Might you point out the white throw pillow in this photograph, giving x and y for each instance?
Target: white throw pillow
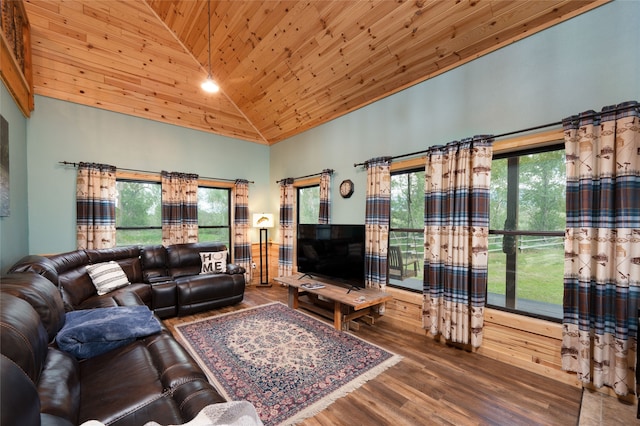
(213, 262)
(107, 276)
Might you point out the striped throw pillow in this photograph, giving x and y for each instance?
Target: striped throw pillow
(107, 276)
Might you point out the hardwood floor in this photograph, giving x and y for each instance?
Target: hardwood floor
(435, 384)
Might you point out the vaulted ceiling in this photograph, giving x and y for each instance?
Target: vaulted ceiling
(283, 66)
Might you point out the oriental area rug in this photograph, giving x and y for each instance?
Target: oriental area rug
(289, 365)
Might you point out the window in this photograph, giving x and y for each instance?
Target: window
(138, 213)
(527, 213)
(406, 230)
(308, 204)
(214, 206)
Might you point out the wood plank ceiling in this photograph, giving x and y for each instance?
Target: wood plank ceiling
(283, 66)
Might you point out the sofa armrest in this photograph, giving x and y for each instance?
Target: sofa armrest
(232, 269)
(39, 265)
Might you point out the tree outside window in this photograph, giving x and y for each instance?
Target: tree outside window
(308, 204)
(406, 233)
(527, 221)
(213, 215)
(138, 213)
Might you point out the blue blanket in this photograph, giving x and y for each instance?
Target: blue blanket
(92, 332)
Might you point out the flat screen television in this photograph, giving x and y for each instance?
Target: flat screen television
(335, 252)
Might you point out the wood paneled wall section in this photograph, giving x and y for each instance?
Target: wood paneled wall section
(528, 343)
(273, 262)
(15, 54)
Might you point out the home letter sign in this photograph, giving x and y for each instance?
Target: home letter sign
(213, 262)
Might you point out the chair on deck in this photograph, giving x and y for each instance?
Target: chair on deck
(399, 266)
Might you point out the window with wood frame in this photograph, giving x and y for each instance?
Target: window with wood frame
(138, 212)
(139, 209)
(214, 207)
(526, 253)
(526, 236)
(308, 204)
(406, 229)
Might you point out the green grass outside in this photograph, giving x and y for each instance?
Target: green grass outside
(154, 236)
(540, 271)
(539, 276)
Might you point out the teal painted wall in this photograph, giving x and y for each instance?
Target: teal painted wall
(64, 131)
(14, 229)
(585, 63)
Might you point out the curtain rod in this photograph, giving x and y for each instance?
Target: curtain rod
(424, 151)
(543, 126)
(68, 163)
(306, 176)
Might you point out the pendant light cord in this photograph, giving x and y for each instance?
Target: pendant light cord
(209, 36)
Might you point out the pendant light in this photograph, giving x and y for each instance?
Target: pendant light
(209, 85)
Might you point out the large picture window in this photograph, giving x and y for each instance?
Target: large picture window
(526, 252)
(139, 213)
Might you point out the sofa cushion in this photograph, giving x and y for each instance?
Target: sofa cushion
(68, 261)
(163, 384)
(107, 276)
(131, 295)
(39, 265)
(114, 253)
(23, 338)
(127, 257)
(213, 262)
(199, 293)
(18, 396)
(59, 386)
(184, 259)
(154, 263)
(76, 286)
(42, 295)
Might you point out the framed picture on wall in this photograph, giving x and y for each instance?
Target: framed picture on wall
(4, 167)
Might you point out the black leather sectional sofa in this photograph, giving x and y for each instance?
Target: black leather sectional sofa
(167, 279)
(150, 379)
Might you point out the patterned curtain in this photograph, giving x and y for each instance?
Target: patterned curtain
(378, 210)
(241, 225)
(179, 208)
(96, 206)
(456, 232)
(602, 246)
(325, 202)
(287, 228)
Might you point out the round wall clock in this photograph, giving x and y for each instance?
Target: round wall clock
(346, 188)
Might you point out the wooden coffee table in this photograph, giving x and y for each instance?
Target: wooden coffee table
(347, 305)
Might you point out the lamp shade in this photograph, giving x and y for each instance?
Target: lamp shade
(263, 220)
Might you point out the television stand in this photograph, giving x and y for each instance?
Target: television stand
(346, 306)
